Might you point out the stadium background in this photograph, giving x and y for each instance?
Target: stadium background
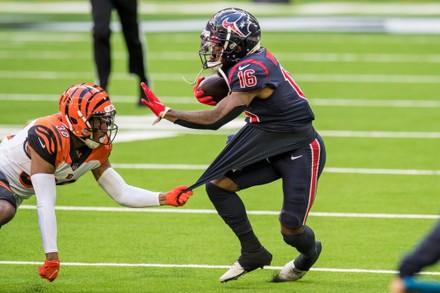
(371, 72)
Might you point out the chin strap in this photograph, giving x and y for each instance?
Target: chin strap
(222, 73)
(219, 71)
(254, 49)
(197, 77)
(90, 143)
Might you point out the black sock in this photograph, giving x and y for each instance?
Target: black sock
(249, 242)
(303, 242)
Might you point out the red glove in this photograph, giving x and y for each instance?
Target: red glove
(154, 103)
(49, 270)
(200, 95)
(177, 197)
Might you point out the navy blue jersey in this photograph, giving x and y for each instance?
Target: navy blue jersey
(287, 109)
(427, 253)
(275, 125)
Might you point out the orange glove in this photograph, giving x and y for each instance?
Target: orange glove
(49, 270)
(177, 197)
(201, 96)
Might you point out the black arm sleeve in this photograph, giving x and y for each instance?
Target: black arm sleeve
(216, 125)
(426, 253)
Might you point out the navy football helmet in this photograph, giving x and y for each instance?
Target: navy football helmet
(234, 33)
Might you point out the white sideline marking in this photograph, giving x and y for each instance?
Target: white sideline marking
(300, 77)
(204, 211)
(378, 134)
(134, 128)
(191, 100)
(179, 56)
(328, 170)
(79, 7)
(382, 171)
(203, 266)
(10, 37)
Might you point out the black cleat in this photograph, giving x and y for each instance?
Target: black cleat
(247, 262)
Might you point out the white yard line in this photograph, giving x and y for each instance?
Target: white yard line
(185, 56)
(300, 77)
(157, 7)
(260, 213)
(372, 171)
(10, 39)
(135, 128)
(330, 102)
(409, 18)
(277, 23)
(205, 266)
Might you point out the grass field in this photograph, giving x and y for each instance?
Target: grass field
(376, 100)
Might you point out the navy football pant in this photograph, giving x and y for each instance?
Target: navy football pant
(299, 171)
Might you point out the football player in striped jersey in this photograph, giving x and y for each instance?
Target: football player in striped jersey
(60, 148)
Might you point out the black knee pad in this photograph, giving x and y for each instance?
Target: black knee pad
(304, 242)
(291, 219)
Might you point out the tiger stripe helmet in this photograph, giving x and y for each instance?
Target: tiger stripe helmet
(79, 104)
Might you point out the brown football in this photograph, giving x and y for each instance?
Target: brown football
(214, 86)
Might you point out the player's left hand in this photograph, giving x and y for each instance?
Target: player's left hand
(201, 96)
(49, 270)
(177, 197)
(398, 286)
(159, 109)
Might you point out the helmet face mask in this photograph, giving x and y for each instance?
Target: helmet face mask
(88, 113)
(211, 53)
(103, 127)
(235, 31)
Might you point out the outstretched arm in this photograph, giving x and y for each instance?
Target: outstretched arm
(130, 196)
(225, 111)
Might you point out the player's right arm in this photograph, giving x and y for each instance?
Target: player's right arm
(130, 196)
(225, 111)
(43, 181)
(44, 144)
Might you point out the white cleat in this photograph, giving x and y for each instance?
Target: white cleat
(289, 273)
(233, 273)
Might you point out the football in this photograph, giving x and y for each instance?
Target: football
(214, 86)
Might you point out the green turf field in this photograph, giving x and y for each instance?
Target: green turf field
(376, 100)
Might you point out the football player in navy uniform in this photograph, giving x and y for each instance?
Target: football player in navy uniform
(278, 141)
(60, 148)
(426, 253)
